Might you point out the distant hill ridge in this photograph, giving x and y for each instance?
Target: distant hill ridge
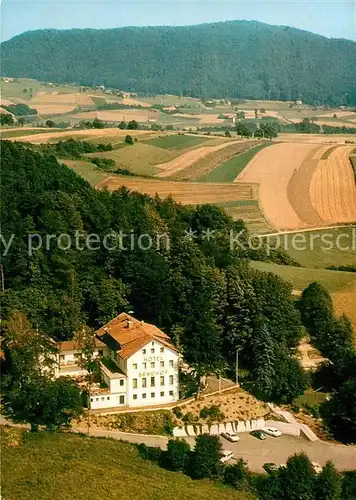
(235, 59)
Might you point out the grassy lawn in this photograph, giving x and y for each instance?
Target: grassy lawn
(301, 277)
(230, 169)
(316, 252)
(311, 398)
(140, 158)
(58, 466)
(179, 142)
(90, 172)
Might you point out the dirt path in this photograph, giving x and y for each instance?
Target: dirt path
(333, 189)
(273, 168)
(186, 159)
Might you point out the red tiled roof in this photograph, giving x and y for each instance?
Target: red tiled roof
(133, 335)
(71, 345)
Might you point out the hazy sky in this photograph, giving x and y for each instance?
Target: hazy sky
(336, 18)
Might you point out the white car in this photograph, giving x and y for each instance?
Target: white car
(272, 431)
(231, 436)
(317, 468)
(226, 455)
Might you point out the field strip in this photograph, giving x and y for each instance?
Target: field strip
(82, 134)
(332, 188)
(187, 193)
(186, 159)
(309, 229)
(298, 189)
(272, 168)
(205, 167)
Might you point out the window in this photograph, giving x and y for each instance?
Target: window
(144, 382)
(134, 383)
(144, 396)
(108, 398)
(162, 349)
(91, 399)
(170, 379)
(152, 365)
(62, 357)
(171, 362)
(162, 394)
(134, 366)
(96, 399)
(103, 399)
(162, 380)
(153, 343)
(135, 396)
(152, 351)
(122, 400)
(153, 395)
(100, 352)
(122, 381)
(171, 393)
(143, 351)
(152, 381)
(162, 364)
(144, 366)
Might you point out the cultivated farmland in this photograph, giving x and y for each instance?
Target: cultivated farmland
(186, 193)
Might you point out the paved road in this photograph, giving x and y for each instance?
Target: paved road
(254, 451)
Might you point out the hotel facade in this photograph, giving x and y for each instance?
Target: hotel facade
(138, 365)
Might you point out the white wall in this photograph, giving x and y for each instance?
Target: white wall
(107, 400)
(149, 366)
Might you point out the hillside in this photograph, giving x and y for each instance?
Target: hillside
(73, 462)
(241, 59)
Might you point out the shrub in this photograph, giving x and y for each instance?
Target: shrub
(212, 413)
(177, 412)
(129, 139)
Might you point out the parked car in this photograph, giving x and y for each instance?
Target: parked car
(258, 434)
(272, 431)
(231, 436)
(317, 468)
(270, 467)
(226, 455)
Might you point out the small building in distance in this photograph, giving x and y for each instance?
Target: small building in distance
(138, 365)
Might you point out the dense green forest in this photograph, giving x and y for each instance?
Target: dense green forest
(242, 59)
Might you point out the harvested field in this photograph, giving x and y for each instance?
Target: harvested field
(183, 192)
(273, 168)
(335, 123)
(130, 101)
(208, 118)
(170, 169)
(54, 103)
(317, 138)
(332, 188)
(298, 189)
(95, 134)
(119, 115)
(347, 115)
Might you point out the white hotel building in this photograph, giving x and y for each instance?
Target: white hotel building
(138, 365)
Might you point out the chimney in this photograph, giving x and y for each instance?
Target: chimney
(142, 323)
(129, 323)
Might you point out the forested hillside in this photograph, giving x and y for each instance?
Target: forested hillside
(236, 59)
(199, 291)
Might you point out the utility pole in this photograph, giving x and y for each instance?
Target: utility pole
(237, 366)
(2, 278)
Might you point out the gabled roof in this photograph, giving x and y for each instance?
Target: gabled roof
(71, 345)
(132, 334)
